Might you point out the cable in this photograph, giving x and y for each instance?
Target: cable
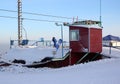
(7, 10)
(8, 17)
(42, 20)
(31, 19)
(38, 14)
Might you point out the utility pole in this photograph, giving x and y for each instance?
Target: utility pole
(19, 22)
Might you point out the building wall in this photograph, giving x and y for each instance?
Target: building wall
(95, 40)
(82, 44)
(90, 40)
(114, 43)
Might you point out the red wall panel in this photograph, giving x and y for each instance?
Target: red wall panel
(95, 40)
(79, 46)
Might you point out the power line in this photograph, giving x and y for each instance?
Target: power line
(43, 20)
(8, 17)
(31, 19)
(7, 10)
(47, 15)
(38, 14)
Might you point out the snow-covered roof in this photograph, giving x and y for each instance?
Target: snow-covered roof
(111, 38)
(85, 23)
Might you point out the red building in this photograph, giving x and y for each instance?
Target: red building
(85, 38)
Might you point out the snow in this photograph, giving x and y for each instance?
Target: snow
(106, 71)
(115, 53)
(32, 54)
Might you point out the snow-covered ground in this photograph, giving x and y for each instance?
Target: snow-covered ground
(31, 54)
(106, 71)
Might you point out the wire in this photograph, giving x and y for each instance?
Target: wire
(31, 19)
(7, 10)
(38, 14)
(8, 17)
(47, 15)
(43, 20)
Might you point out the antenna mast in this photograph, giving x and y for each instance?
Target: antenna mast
(100, 15)
(19, 22)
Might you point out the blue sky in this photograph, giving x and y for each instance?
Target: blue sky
(84, 9)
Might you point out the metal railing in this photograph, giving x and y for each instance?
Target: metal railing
(82, 58)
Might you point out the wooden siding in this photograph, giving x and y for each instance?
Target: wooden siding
(79, 46)
(95, 40)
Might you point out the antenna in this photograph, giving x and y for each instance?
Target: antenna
(100, 15)
(19, 21)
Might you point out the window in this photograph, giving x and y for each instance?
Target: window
(74, 35)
